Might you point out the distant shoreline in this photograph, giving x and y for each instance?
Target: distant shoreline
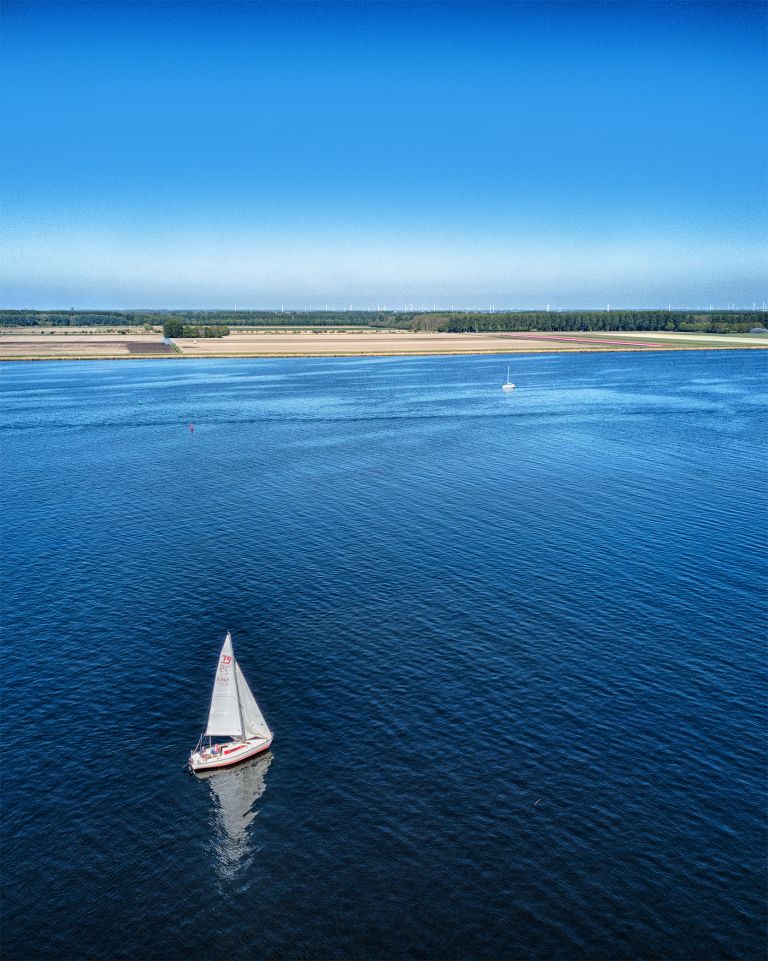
(54, 344)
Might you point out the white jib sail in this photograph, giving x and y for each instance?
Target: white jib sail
(253, 719)
(224, 717)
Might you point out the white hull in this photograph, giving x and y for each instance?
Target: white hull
(233, 753)
(507, 386)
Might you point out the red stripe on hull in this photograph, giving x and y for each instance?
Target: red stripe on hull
(233, 760)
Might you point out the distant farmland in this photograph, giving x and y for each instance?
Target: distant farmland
(39, 344)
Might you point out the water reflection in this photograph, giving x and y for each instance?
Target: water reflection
(235, 794)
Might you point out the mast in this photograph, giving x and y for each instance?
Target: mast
(239, 703)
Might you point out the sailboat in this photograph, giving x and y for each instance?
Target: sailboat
(234, 715)
(508, 385)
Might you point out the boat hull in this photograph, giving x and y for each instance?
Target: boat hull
(230, 755)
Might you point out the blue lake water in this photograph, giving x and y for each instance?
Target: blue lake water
(512, 647)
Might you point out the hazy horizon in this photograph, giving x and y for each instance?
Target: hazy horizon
(385, 308)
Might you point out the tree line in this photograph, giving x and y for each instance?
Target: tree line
(175, 328)
(716, 322)
(216, 323)
(240, 318)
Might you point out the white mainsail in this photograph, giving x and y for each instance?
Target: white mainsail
(234, 711)
(253, 719)
(224, 718)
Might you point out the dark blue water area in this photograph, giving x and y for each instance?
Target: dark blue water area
(511, 646)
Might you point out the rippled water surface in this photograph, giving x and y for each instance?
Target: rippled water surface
(511, 647)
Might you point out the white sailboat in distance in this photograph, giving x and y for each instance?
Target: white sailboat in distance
(508, 385)
(234, 715)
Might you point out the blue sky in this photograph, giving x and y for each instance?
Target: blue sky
(213, 155)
